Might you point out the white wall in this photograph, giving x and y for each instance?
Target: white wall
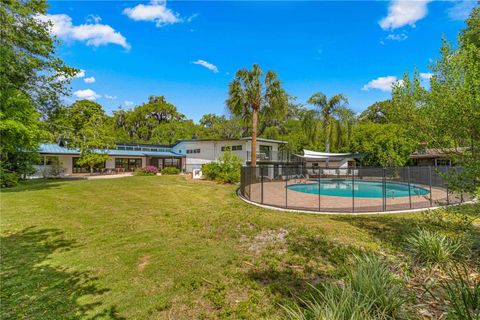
(212, 150)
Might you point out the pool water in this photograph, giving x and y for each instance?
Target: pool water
(363, 189)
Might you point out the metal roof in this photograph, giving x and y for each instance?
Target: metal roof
(51, 148)
(226, 140)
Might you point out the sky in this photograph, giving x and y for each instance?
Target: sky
(189, 51)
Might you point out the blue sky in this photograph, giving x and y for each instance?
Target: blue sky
(189, 51)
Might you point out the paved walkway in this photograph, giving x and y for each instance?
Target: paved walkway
(109, 176)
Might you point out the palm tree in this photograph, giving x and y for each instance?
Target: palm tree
(327, 108)
(345, 122)
(248, 95)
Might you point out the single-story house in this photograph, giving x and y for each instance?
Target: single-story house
(183, 154)
(436, 157)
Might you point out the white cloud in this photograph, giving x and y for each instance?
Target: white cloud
(382, 83)
(461, 9)
(128, 103)
(110, 97)
(89, 80)
(93, 18)
(404, 12)
(207, 65)
(80, 74)
(87, 94)
(426, 75)
(93, 34)
(155, 11)
(397, 36)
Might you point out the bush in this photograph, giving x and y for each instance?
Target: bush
(170, 170)
(8, 179)
(331, 302)
(226, 170)
(370, 292)
(432, 247)
(371, 278)
(462, 292)
(54, 170)
(146, 171)
(211, 170)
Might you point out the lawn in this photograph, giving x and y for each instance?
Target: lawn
(170, 248)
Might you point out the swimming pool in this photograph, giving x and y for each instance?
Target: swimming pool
(362, 189)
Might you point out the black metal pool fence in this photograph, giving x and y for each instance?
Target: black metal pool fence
(320, 189)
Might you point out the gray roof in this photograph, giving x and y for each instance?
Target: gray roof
(51, 148)
(266, 140)
(219, 139)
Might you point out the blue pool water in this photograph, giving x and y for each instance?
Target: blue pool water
(363, 189)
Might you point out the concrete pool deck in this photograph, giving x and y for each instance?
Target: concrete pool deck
(276, 195)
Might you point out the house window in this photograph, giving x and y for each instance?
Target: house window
(232, 148)
(172, 162)
(443, 162)
(76, 168)
(51, 160)
(265, 149)
(128, 164)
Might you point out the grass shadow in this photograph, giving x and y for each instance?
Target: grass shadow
(33, 289)
(392, 230)
(309, 259)
(34, 185)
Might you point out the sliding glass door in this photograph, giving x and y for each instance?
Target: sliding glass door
(128, 164)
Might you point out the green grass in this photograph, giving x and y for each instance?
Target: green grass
(169, 248)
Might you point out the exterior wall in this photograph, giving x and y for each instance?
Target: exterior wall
(271, 144)
(65, 161)
(209, 151)
(334, 164)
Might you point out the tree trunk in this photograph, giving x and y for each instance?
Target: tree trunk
(91, 169)
(254, 137)
(327, 135)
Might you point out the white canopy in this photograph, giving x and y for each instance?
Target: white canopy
(309, 154)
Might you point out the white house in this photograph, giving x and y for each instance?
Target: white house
(183, 154)
(198, 152)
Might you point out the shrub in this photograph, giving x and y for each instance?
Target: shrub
(146, 171)
(432, 247)
(462, 293)
(371, 278)
(54, 170)
(211, 170)
(331, 302)
(226, 170)
(8, 179)
(370, 292)
(170, 170)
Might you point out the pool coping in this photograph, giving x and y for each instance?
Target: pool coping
(349, 213)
